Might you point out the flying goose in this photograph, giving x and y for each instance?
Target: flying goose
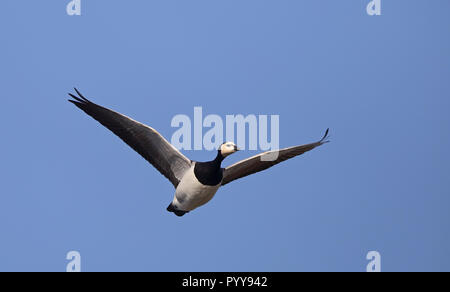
(195, 182)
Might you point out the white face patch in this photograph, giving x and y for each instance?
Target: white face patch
(228, 148)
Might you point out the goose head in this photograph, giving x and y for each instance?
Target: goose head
(227, 148)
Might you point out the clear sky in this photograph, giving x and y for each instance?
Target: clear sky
(380, 83)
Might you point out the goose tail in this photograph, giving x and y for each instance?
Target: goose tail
(171, 208)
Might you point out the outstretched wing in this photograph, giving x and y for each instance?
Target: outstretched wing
(143, 139)
(265, 160)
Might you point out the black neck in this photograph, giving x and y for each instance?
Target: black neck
(219, 158)
(210, 173)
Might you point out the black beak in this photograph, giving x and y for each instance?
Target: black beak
(236, 148)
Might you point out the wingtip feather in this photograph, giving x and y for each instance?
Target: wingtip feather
(77, 99)
(326, 136)
(80, 95)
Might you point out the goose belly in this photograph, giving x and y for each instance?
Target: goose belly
(191, 194)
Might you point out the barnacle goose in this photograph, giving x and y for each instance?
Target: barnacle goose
(195, 182)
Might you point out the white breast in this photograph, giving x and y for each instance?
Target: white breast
(191, 194)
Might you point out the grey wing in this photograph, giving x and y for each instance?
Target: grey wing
(143, 139)
(264, 160)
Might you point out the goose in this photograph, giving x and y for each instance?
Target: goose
(195, 182)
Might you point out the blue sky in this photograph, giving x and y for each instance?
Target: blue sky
(380, 83)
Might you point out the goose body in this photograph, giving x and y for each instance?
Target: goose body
(195, 182)
(191, 193)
